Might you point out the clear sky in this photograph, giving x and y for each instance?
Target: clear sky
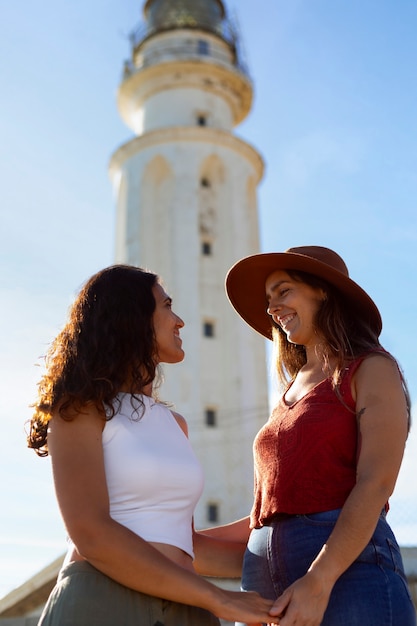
(334, 117)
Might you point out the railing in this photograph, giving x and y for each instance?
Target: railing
(183, 51)
(224, 29)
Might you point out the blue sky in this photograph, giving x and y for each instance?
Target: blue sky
(334, 117)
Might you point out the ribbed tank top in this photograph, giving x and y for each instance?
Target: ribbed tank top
(153, 477)
(305, 455)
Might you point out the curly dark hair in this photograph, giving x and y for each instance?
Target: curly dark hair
(107, 343)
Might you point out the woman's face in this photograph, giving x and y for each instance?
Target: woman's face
(293, 306)
(167, 328)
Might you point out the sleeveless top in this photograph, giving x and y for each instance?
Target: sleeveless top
(153, 478)
(305, 455)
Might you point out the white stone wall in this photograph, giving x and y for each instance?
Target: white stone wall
(183, 107)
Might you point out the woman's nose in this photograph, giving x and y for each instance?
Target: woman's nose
(273, 306)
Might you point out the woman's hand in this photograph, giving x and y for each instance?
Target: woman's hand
(303, 603)
(247, 607)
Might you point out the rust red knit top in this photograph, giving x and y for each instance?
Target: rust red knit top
(305, 455)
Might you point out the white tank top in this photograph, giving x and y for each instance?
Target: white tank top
(153, 477)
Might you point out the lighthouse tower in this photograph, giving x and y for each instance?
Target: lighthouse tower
(186, 190)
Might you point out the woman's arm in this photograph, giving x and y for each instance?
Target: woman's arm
(219, 550)
(237, 531)
(383, 423)
(79, 476)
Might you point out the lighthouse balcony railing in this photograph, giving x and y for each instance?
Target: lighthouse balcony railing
(196, 50)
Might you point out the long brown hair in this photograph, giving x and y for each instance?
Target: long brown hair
(346, 336)
(107, 343)
(345, 333)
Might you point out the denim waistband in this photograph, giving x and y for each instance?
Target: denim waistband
(282, 517)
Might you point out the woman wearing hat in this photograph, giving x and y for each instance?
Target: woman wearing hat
(327, 460)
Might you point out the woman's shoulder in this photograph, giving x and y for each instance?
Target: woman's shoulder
(362, 365)
(379, 357)
(377, 362)
(67, 411)
(379, 374)
(181, 421)
(375, 356)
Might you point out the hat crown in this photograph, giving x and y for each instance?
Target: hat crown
(324, 255)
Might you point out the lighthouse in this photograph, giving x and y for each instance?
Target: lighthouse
(186, 208)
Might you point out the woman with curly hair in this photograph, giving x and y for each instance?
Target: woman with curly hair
(125, 476)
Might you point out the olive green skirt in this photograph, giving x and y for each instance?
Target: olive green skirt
(83, 596)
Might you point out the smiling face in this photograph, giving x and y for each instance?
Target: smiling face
(293, 305)
(167, 327)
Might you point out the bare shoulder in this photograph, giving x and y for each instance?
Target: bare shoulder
(86, 419)
(378, 383)
(181, 421)
(378, 367)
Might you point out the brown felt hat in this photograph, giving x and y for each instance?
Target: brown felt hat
(245, 283)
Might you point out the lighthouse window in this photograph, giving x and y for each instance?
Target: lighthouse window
(204, 182)
(212, 512)
(203, 47)
(201, 120)
(211, 417)
(208, 329)
(206, 248)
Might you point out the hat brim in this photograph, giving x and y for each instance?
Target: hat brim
(245, 287)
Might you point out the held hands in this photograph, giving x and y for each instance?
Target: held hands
(302, 604)
(247, 607)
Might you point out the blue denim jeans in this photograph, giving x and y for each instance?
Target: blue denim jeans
(372, 592)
